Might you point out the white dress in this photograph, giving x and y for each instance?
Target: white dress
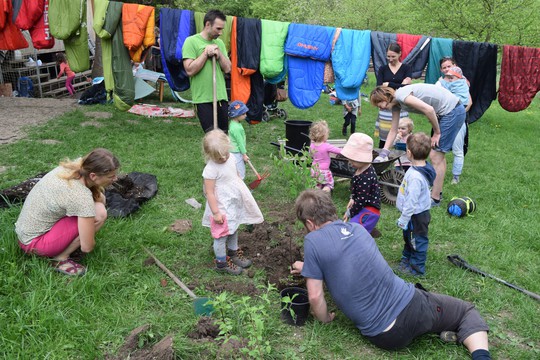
(233, 196)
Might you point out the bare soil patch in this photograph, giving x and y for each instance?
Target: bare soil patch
(18, 113)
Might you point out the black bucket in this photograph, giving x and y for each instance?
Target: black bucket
(296, 132)
(299, 306)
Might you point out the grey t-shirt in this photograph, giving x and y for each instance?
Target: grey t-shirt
(442, 100)
(360, 281)
(51, 199)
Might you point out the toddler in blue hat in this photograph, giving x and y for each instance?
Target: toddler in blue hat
(237, 135)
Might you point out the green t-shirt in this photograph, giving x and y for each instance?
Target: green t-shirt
(201, 83)
(238, 137)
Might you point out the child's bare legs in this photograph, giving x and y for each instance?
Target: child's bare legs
(439, 163)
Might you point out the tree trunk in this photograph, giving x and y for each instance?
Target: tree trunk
(97, 66)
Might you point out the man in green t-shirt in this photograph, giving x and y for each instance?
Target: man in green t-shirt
(197, 52)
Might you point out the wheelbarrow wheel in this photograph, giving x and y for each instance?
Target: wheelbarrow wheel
(389, 182)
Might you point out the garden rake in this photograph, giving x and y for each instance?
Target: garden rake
(254, 184)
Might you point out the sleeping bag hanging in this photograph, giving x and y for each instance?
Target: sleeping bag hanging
(40, 32)
(138, 29)
(67, 21)
(29, 13)
(11, 38)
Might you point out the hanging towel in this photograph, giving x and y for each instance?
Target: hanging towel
(11, 38)
(29, 13)
(379, 45)
(307, 47)
(520, 77)
(417, 57)
(479, 64)
(225, 35)
(273, 35)
(439, 49)
(350, 61)
(138, 28)
(175, 26)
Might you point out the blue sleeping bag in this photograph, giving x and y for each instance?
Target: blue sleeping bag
(350, 61)
(175, 26)
(308, 47)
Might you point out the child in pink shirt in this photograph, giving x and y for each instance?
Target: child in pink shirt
(320, 152)
(65, 69)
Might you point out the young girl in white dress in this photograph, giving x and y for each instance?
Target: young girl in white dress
(229, 203)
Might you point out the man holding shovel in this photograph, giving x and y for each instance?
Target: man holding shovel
(207, 81)
(388, 311)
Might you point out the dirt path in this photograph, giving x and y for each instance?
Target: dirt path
(17, 113)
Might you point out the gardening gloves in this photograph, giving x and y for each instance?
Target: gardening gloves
(383, 156)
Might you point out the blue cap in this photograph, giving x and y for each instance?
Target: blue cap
(237, 108)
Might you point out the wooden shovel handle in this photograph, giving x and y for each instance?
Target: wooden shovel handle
(171, 275)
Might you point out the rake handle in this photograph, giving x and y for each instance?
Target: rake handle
(253, 168)
(458, 261)
(171, 275)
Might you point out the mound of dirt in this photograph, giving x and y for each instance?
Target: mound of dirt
(132, 350)
(274, 246)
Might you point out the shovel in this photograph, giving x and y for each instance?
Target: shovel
(199, 303)
(254, 184)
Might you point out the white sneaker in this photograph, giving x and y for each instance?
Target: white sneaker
(455, 180)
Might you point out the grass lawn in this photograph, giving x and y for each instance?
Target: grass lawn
(45, 315)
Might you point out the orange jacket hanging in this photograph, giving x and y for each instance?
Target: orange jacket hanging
(138, 28)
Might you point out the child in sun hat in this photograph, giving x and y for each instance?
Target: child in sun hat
(237, 113)
(364, 207)
(229, 203)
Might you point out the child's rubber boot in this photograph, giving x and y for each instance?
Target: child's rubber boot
(228, 267)
(344, 130)
(238, 259)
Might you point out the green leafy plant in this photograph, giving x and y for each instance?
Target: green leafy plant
(287, 304)
(296, 169)
(243, 318)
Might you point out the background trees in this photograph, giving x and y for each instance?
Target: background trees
(512, 22)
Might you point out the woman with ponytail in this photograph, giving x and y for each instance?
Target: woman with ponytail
(66, 208)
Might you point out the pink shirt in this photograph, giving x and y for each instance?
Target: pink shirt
(321, 154)
(64, 68)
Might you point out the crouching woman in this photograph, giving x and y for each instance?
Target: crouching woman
(66, 208)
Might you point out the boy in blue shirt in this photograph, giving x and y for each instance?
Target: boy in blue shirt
(414, 202)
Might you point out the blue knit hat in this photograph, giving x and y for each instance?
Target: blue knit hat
(237, 108)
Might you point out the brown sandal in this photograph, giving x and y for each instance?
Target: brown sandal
(70, 268)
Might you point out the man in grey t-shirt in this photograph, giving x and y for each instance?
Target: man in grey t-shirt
(390, 312)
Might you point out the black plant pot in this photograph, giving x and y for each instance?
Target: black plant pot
(299, 306)
(296, 133)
